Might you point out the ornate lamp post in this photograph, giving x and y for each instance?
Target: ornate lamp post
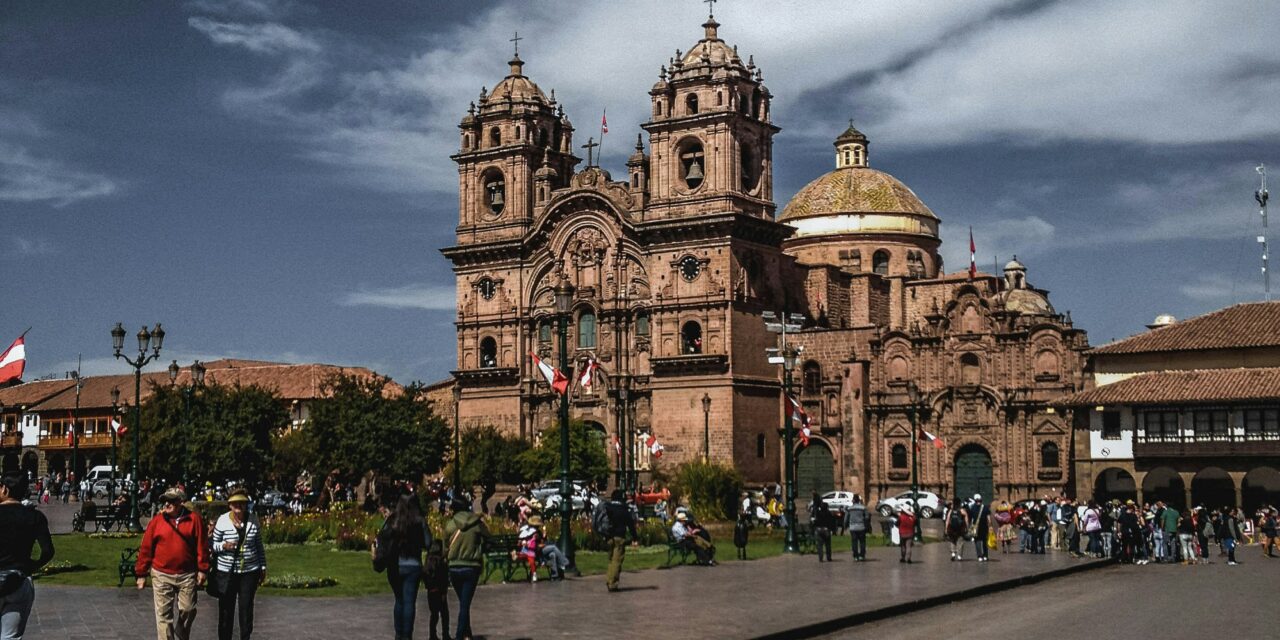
(75, 438)
(628, 455)
(457, 434)
(564, 304)
(706, 428)
(115, 403)
(197, 380)
(913, 395)
(145, 339)
(790, 356)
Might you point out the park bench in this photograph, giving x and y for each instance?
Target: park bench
(105, 519)
(128, 560)
(674, 550)
(501, 557)
(805, 542)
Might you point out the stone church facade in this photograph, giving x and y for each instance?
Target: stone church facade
(673, 267)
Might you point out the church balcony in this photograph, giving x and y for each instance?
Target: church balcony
(899, 475)
(488, 376)
(1049, 474)
(1235, 444)
(10, 440)
(689, 364)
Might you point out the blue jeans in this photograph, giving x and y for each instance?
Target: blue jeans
(1229, 544)
(404, 581)
(464, 581)
(15, 608)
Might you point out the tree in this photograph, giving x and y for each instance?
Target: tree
(588, 459)
(712, 489)
(368, 424)
(295, 452)
(214, 433)
(490, 457)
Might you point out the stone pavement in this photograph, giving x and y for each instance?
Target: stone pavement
(790, 596)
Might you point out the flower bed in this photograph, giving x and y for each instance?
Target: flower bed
(295, 581)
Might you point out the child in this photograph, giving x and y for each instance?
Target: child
(435, 575)
(740, 530)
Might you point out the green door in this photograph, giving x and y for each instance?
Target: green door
(973, 473)
(815, 470)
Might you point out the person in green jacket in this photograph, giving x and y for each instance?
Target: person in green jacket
(466, 535)
(1169, 527)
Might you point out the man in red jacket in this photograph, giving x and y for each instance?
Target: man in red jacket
(175, 552)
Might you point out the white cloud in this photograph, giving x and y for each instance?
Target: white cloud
(241, 8)
(412, 296)
(27, 178)
(1220, 289)
(270, 38)
(27, 247)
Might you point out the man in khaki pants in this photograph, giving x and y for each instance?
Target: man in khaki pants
(175, 553)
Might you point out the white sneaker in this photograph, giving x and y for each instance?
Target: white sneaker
(1232, 564)
(535, 578)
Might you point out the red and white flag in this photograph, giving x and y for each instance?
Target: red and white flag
(973, 256)
(655, 447)
(119, 428)
(937, 442)
(71, 436)
(559, 383)
(617, 446)
(587, 375)
(798, 415)
(14, 360)
(604, 122)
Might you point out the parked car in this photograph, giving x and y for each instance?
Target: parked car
(930, 504)
(548, 493)
(102, 488)
(838, 500)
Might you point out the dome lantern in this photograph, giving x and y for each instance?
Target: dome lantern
(851, 148)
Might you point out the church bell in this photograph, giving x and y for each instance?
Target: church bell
(695, 171)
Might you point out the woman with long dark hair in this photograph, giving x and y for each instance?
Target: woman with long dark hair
(398, 551)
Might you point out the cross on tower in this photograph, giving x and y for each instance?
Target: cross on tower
(711, 7)
(516, 40)
(590, 146)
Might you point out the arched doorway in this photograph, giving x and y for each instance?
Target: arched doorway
(1213, 488)
(1164, 484)
(10, 462)
(599, 438)
(1261, 486)
(973, 472)
(1114, 484)
(31, 463)
(815, 469)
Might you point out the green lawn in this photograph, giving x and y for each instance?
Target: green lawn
(352, 569)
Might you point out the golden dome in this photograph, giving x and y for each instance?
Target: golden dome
(1025, 301)
(858, 200)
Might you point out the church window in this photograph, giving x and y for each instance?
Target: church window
(1110, 425)
(544, 331)
(880, 262)
(691, 337)
(542, 137)
(495, 136)
(898, 456)
(971, 320)
(812, 378)
(466, 141)
(488, 353)
(587, 330)
(757, 104)
(970, 369)
(642, 323)
(1046, 365)
(657, 108)
(719, 99)
(748, 169)
(899, 368)
(635, 181)
(495, 192)
(759, 445)
(744, 104)
(692, 163)
(1048, 456)
(859, 157)
(517, 133)
(691, 104)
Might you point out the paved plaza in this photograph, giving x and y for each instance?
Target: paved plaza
(787, 596)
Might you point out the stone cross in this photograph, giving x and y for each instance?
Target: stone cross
(590, 146)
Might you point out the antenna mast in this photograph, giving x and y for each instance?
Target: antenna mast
(1261, 196)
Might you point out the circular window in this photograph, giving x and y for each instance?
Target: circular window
(690, 268)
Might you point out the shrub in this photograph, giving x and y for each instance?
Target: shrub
(294, 581)
(711, 489)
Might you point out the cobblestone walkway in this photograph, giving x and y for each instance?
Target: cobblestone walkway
(735, 600)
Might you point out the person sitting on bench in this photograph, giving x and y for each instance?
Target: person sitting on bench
(693, 538)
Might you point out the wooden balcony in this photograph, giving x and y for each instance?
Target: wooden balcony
(88, 441)
(10, 440)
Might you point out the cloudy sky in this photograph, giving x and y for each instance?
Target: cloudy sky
(270, 178)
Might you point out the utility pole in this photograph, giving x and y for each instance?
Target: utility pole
(1261, 196)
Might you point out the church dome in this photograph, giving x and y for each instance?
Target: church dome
(711, 49)
(517, 86)
(1026, 301)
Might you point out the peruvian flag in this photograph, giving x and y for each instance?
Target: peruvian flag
(617, 446)
(71, 436)
(655, 447)
(584, 380)
(118, 428)
(14, 360)
(559, 383)
(973, 256)
(798, 415)
(937, 442)
(604, 122)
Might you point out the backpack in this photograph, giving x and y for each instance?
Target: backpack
(955, 523)
(436, 573)
(600, 520)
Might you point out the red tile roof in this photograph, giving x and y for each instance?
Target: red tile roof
(30, 393)
(1201, 386)
(1252, 324)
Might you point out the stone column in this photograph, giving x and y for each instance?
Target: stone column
(1187, 477)
(1237, 479)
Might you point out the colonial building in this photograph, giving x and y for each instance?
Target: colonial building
(673, 267)
(36, 417)
(1187, 412)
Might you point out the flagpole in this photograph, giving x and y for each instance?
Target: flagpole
(604, 118)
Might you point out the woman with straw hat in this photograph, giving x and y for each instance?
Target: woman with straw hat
(241, 564)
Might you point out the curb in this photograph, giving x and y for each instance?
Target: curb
(863, 617)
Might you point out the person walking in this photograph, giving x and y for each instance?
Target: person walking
(1005, 531)
(957, 520)
(823, 522)
(398, 551)
(1269, 529)
(466, 535)
(174, 552)
(858, 520)
(980, 527)
(1230, 535)
(21, 528)
(906, 532)
(1186, 537)
(741, 532)
(242, 564)
(613, 520)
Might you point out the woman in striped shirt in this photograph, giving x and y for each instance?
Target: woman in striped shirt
(242, 564)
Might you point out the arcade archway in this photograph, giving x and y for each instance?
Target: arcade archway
(1114, 483)
(1261, 486)
(1213, 488)
(1164, 484)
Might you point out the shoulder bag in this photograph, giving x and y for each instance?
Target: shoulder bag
(216, 583)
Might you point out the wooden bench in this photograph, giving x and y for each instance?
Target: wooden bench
(105, 519)
(676, 549)
(128, 560)
(805, 541)
(498, 558)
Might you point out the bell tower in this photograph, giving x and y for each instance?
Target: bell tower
(710, 136)
(505, 138)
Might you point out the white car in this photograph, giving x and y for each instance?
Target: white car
(930, 504)
(838, 500)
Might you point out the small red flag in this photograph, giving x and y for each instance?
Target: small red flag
(973, 256)
(604, 122)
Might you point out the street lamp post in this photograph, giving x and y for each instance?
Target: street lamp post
(457, 434)
(706, 428)
(564, 303)
(115, 462)
(75, 439)
(628, 454)
(145, 338)
(197, 379)
(913, 395)
(787, 356)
